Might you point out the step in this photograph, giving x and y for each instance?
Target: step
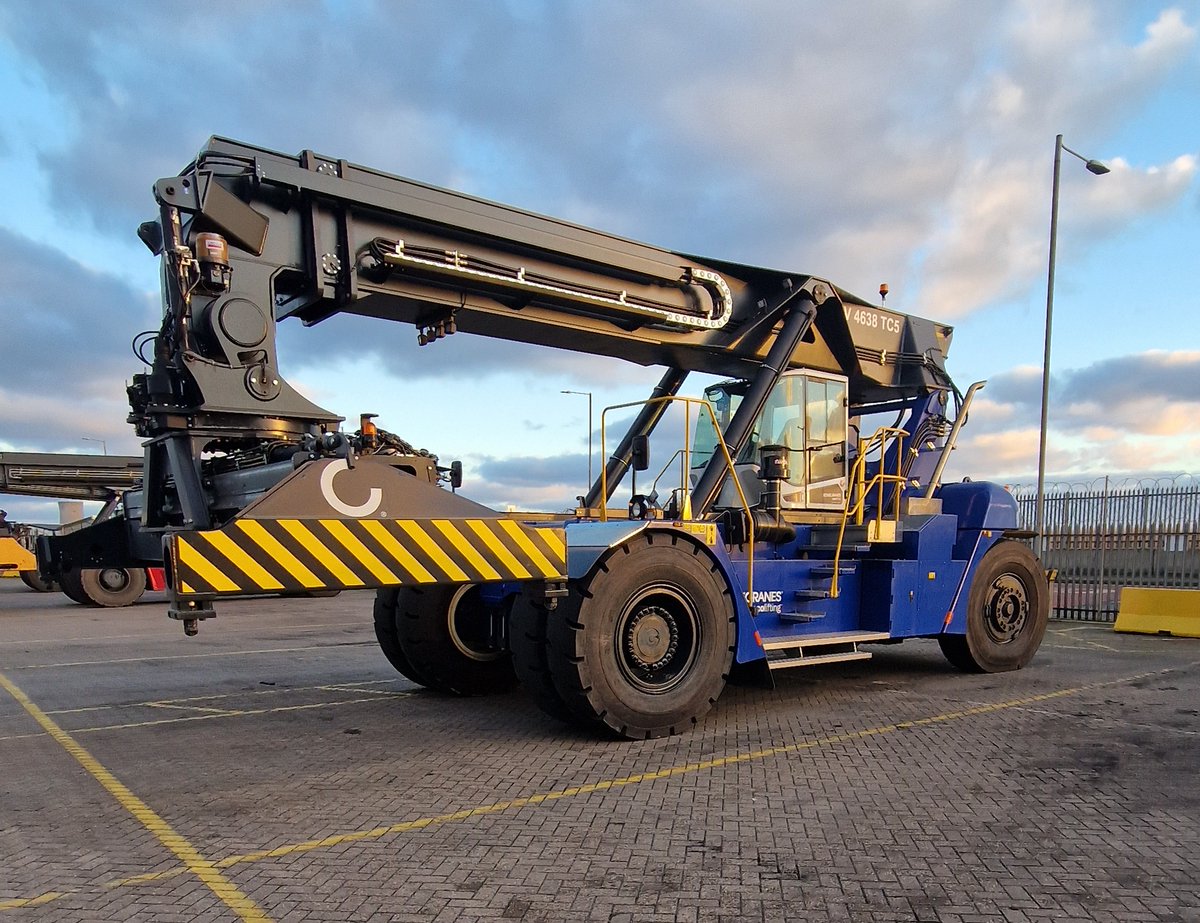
(785, 663)
(812, 594)
(833, 637)
(848, 548)
(826, 570)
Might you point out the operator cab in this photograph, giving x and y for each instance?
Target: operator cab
(806, 413)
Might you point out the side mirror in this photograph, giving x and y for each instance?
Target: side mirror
(640, 451)
(455, 474)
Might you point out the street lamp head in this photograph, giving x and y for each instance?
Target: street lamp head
(1095, 166)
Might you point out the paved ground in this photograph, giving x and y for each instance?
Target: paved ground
(275, 768)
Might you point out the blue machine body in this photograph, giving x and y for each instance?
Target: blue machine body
(912, 588)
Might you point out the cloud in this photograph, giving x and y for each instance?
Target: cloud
(1128, 413)
(801, 153)
(915, 151)
(66, 353)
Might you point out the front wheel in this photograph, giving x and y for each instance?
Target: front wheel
(644, 643)
(1008, 608)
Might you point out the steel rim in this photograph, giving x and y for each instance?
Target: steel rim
(470, 627)
(657, 639)
(1006, 609)
(113, 579)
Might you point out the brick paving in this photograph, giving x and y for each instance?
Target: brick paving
(895, 789)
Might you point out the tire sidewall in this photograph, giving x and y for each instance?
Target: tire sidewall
(100, 595)
(1007, 557)
(625, 577)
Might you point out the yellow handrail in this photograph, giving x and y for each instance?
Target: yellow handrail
(860, 491)
(685, 506)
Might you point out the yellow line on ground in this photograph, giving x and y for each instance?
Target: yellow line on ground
(541, 798)
(19, 902)
(228, 893)
(217, 713)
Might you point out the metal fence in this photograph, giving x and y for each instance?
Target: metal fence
(1105, 535)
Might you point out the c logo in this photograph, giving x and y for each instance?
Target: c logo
(374, 497)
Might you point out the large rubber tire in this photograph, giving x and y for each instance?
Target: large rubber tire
(71, 583)
(113, 587)
(646, 641)
(389, 640)
(442, 633)
(530, 654)
(35, 581)
(1008, 608)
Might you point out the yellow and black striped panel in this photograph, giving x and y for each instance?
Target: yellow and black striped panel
(250, 556)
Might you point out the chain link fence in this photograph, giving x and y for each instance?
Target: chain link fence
(1107, 534)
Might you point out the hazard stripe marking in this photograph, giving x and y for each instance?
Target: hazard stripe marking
(250, 567)
(555, 543)
(526, 544)
(436, 554)
(351, 543)
(459, 541)
(494, 545)
(254, 531)
(289, 555)
(313, 546)
(402, 555)
(190, 558)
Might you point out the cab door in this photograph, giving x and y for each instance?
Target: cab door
(825, 408)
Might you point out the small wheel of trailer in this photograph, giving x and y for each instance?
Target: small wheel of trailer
(446, 635)
(530, 654)
(646, 641)
(389, 640)
(1007, 610)
(108, 587)
(35, 581)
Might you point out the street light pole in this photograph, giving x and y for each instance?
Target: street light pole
(588, 395)
(1099, 169)
(103, 444)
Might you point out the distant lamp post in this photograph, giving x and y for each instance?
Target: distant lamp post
(103, 444)
(1099, 169)
(588, 395)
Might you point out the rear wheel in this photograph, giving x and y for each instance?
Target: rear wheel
(71, 583)
(530, 654)
(35, 581)
(447, 634)
(646, 640)
(113, 587)
(389, 640)
(1008, 608)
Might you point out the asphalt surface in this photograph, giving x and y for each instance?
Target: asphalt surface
(275, 768)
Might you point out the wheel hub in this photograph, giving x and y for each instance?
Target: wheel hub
(657, 639)
(1007, 608)
(651, 638)
(113, 579)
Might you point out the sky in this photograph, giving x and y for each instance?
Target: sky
(863, 142)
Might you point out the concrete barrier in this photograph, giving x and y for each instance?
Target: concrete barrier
(1152, 611)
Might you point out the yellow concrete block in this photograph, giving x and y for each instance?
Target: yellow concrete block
(1153, 611)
